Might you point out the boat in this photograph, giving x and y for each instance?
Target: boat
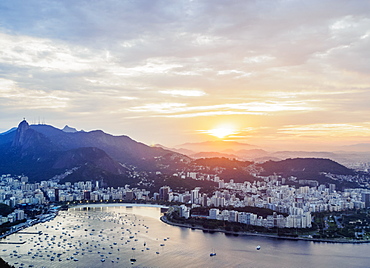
(258, 247)
(213, 253)
(133, 259)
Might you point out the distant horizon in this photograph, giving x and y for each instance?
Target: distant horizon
(218, 140)
(288, 75)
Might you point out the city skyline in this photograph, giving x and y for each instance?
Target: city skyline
(280, 74)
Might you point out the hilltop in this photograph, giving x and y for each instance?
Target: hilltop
(43, 152)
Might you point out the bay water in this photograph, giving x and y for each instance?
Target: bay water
(133, 236)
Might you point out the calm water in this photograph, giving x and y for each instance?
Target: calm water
(118, 233)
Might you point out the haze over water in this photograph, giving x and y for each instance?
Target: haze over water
(97, 233)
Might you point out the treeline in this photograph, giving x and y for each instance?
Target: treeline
(5, 210)
(7, 226)
(352, 224)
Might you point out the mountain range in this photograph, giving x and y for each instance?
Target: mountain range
(44, 152)
(346, 155)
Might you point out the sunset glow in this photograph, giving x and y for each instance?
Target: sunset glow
(221, 132)
(296, 73)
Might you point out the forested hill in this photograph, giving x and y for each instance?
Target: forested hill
(304, 167)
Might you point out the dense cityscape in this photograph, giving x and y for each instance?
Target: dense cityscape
(296, 202)
(184, 133)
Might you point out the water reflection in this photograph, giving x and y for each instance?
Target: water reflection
(84, 236)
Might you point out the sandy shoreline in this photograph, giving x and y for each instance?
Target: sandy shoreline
(118, 205)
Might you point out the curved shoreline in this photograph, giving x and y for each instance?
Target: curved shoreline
(48, 217)
(165, 220)
(118, 205)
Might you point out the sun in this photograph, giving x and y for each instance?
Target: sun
(221, 131)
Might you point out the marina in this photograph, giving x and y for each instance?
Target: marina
(119, 236)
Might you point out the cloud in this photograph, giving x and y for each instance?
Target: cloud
(14, 98)
(187, 60)
(182, 110)
(327, 130)
(30, 52)
(184, 92)
(161, 107)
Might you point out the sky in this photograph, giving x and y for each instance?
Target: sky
(286, 74)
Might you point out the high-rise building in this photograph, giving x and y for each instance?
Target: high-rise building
(19, 214)
(88, 185)
(163, 192)
(366, 199)
(24, 179)
(184, 211)
(204, 200)
(87, 195)
(331, 188)
(56, 194)
(233, 216)
(129, 195)
(213, 212)
(195, 196)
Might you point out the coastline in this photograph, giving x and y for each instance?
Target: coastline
(165, 220)
(118, 205)
(232, 251)
(48, 217)
(27, 224)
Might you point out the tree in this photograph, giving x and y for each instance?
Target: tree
(5, 210)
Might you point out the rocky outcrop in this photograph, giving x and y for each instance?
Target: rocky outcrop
(21, 134)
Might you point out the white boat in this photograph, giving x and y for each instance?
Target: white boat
(258, 247)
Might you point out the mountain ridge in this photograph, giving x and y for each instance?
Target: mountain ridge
(43, 152)
(44, 149)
